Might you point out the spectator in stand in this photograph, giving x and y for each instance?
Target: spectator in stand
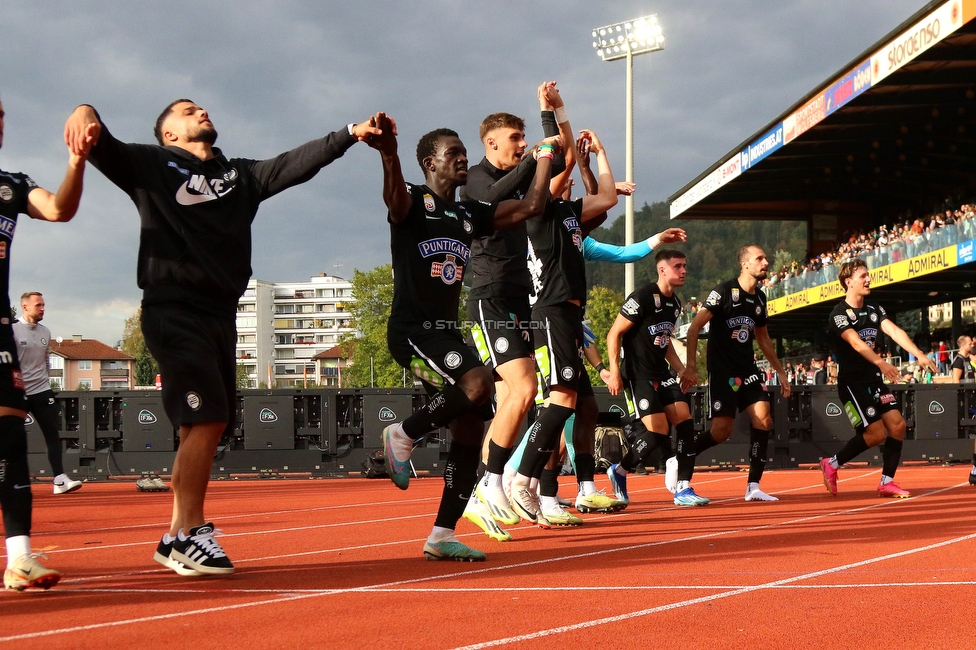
(943, 358)
(800, 377)
(831, 371)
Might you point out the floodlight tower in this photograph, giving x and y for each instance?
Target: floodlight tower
(625, 41)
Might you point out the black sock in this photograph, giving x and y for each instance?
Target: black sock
(15, 503)
(854, 448)
(703, 442)
(459, 480)
(497, 457)
(439, 411)
(549, 483)
(585, 467)
(543, 436)
(890, 456)
(758, 447)
(645, 443)
(686, 449)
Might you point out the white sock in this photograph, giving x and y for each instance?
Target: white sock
(833, 463)
(438, 534)
(401, 443)
(534, 485)
(60, 478)
(973, 470)
(885, 480)
(683, 485)
(750, 487)
(548, 502)
(17, 547)
(493, 480)
(586, 488)
(168, 539)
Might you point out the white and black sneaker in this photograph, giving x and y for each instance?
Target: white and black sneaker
(200, 551)
(163, 555)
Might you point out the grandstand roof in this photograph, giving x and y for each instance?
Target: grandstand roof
(893, 129)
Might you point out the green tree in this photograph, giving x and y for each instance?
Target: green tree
(134, 344)
(371, 312)
(243, 381)
(602, 308)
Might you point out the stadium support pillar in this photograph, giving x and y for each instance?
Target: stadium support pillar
(956, 321)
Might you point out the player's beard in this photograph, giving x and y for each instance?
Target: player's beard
(204, 134)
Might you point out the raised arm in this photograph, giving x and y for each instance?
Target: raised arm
(550, 100)
(508, 213)
(606, 196)
(769, 350)
(395, 193)
(42, 204)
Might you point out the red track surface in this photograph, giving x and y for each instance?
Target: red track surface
(338, 564)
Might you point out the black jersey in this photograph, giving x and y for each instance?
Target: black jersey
(646, 344)
(866, 323)
(966, 365)
(431, 249)
(555, 259)
(14, 189)
(735, 316)
(497, 267)
(195, 242)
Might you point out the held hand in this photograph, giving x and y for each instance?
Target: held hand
(551, 95)
(81, 131)
(672, 235)
(605, 376)
(379, 132)
(613, 381)
(627, 189)
(556, 142)
(689, 378)
(583, 151)
(595, 145)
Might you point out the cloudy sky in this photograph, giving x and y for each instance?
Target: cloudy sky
(275, 74)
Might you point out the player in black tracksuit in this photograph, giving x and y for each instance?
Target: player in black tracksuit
(19, 194)
(559, 294)
(736, 310)
(498, 304)
(872, 408)
(430, 237)
(195, 208)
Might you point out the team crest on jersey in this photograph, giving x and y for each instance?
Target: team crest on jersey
(874, 318)
(758, 310)
(735, 295)
(429, 203)
(851, 315)
(6, 193)
(448, 271)
(468, 228)
(657, 300)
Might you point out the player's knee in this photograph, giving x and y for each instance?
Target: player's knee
(897, 429)
(478, 386)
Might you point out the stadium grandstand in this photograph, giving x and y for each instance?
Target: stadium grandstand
(880, 162)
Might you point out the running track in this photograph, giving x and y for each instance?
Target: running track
(338, 564)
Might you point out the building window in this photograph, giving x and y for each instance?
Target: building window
(55, 362)
(84, 384)
(85, 365)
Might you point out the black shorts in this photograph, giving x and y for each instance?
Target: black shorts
(865, 403)
(559, 344)
(500, 329)
(728, 395)
(11, 381)
(438, 358)
(196, 356)
(650, 396)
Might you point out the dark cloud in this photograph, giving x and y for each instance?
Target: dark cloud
(276, 74)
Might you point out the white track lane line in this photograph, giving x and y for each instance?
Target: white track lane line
(706, 599)
(288, 596)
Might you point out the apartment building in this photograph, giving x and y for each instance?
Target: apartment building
(87, 364)
(282, 326)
